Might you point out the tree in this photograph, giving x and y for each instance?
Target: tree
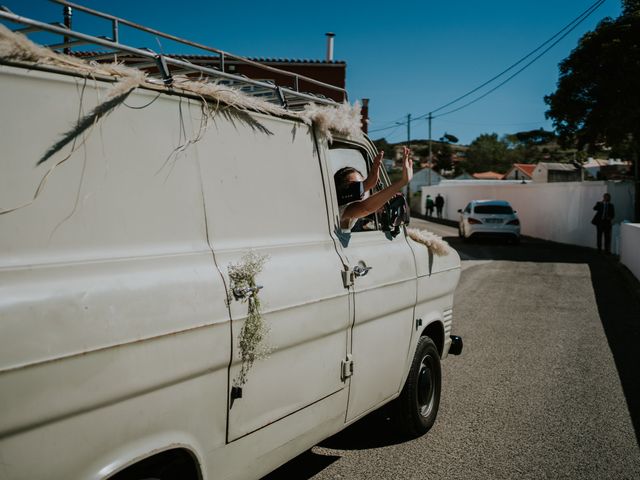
(487, 152)
(597, 101)
(443, 158)
(533, 146)
(534, 137)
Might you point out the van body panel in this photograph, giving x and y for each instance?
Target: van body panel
(119, 195)
(384, 301)
(95, 443)
(110, 300)
(74, 309)
(274, 184)
(253, 456)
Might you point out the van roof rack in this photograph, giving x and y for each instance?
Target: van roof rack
(164, 66)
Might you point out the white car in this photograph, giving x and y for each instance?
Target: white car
(495, 218)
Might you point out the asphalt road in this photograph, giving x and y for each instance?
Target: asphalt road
(548, 384)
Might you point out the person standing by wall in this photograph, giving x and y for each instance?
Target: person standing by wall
(603, 219)
(429, 206)
(439, 205)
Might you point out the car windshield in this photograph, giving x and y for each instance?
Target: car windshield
(500, 209)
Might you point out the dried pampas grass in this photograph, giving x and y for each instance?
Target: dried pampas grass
(117, 94)
(432, 241)
(344, 119)
(14, 46)
(227, 95)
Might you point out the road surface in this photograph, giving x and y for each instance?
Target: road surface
(548, 384)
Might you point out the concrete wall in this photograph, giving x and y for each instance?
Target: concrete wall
(560, 212)
(630, 247)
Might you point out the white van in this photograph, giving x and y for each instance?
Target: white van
(119, 323)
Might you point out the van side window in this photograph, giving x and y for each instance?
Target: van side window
(340, 158)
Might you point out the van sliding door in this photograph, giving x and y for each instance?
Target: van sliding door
(263, 194)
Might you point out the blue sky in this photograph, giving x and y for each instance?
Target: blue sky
(405, 56)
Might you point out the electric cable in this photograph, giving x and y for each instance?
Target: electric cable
(571, 26)
(562, 33)
(517, 72)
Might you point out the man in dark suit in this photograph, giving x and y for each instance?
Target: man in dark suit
(605, 212)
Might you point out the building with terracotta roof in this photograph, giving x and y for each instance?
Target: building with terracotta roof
(520, 171)
(556, 172)
(488, 176)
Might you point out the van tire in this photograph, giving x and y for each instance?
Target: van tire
(418, 403)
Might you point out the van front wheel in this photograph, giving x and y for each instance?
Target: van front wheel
(417, 405)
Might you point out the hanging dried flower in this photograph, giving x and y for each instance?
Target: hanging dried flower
(242, 278)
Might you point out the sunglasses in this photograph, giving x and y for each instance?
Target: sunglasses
(352, 192)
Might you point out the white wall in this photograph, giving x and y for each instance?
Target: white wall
(560, 211)
(630, 247)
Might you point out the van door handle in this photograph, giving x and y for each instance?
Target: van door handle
(360, 271)
(239, 293)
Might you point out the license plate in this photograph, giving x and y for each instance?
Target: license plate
(493, 220)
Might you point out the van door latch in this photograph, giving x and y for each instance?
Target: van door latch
(347, 277)
(347, 367)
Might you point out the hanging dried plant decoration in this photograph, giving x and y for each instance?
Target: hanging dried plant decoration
(430, 240)
(244, 288)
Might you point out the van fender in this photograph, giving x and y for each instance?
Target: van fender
(432, 327)
(140, 449)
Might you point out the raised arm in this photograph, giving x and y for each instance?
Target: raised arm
(373, 203)
(374, 174)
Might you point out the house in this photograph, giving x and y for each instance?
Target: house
(610, 169)
(464, 176)
(556, 172)
(424, 178)
(520, 171)
(488, 176)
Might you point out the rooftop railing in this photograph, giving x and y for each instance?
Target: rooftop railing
(166, 66)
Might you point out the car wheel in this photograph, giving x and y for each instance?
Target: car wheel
(417, 406)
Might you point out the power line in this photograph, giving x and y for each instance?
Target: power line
(395, 129)
(476, 124)
(521, 69)
(390, 125)
(395, 125)
(579, 19)
(566, 29)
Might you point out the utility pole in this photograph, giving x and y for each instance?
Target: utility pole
(429, 118)
(410, 159)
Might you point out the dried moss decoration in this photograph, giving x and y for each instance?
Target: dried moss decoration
(244, 288)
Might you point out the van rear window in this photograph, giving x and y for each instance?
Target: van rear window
(503, 209)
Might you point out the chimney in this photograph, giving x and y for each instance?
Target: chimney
(330, 36)
(365, 115)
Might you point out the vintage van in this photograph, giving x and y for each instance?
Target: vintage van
(123, 304)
